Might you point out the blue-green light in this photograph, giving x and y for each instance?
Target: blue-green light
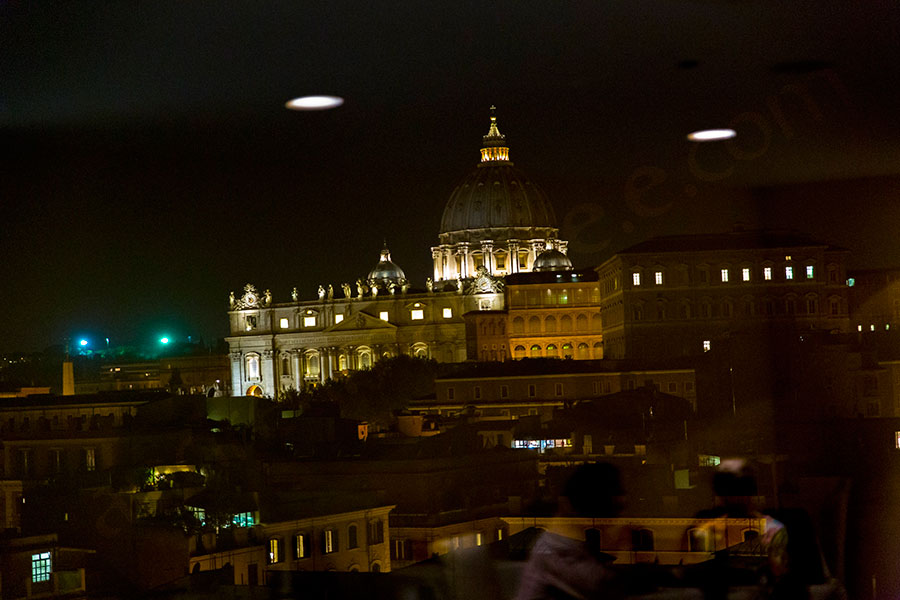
(83, 342)
(164, 340)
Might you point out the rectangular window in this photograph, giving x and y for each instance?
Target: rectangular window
(309, 321)
(724, 275)
(301, 546)
(477, 538)
(897, 440)
(707, 345)
(338, 318)
(275, 551)
(636, 278)
(451, 393)
(688, 387)
(595, 388)
(532, 390)
(90, 459)
(504, 391)
(767, 273)
(284, 323)
(376, 532)
(658, 277)
(809, 271)
(745, 274)
(558, 389)
(383, 315)
(448, 313)
(416, 314)
(789, 273)
(41, 567)
(673, 387)
(244, 519)
(499, 534)
(328, 541)
(476, 392)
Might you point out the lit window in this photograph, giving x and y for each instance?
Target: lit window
(658, 277)
(339, 317)
(499, 534)
(478, 538)
(40, 567)
(284, 323)
(383, 315)
(724, 275)
(90, 459)
(252, 366)
(767, 273)
(275, 551)
(417, 314)
(897, 440)
(851, 282)
(809, 271)
(859, 327)
(328, 541)
(309, 321)
(707, 345)
(300, 546)
(745, 274)
(244, 519)
(872, 327)
(636, 278)
(448, 313)
(789, 273)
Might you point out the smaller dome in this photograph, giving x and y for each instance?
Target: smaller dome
(386, 270)
(552, 260)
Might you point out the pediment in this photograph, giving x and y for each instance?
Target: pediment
(361, 320)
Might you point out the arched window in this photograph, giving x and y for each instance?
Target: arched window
(581, 323)
(568, 351)
(518, 325)
(584, 351)
(519, 352)
(534, 325)
(420, 351)
(255, 390)
(535, 351)
(285, 365)
(312, 364)
(596, 322)
(342, 362)
(252, 364)
(552, 351)
(750, 534)
(598, 350)
(365, 359)
(642, 540)
(565, 323)
(550, 323)
(698, 540)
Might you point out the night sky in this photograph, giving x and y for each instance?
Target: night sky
(149, 167)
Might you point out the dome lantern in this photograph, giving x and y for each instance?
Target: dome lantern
(494, 149)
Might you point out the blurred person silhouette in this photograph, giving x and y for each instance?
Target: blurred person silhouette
(564, 568)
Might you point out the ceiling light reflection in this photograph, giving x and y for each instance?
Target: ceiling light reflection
(711, 135)
(314, 103)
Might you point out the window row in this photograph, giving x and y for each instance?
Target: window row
(328, 541)
(314, 319)
(551, 324)
(729, 308)
(567, 350)
(728, 275)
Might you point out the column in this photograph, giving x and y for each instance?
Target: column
(269, 383)
(322, 364)
(465, 264)
(237, 380)
(487, 250)
(297, 356)
(513, 256)
(436, 255)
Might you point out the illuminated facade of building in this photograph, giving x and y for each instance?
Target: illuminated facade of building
(676, 295)
(496, 222)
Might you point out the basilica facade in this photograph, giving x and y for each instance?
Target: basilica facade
(497, 222)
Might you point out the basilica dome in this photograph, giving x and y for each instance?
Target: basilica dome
(496, 201)
(386, 271)
(552, 260)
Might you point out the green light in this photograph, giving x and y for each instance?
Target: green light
(164, 340)
(83, 342)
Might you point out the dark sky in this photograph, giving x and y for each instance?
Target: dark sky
(149, 167)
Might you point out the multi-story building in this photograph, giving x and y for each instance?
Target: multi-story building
(676, 295)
